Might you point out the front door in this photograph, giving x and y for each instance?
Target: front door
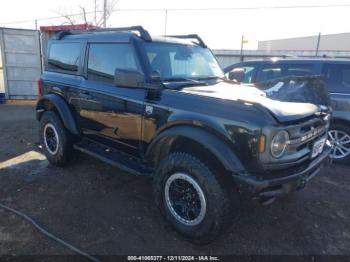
(111, 114)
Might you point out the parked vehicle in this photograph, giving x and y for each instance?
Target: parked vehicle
(337, 76)
(161, 106)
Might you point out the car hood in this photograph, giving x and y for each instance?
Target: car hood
(281, 110)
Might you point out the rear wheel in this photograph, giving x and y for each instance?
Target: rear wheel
(190, 197)
(339, 135)
(55, 139)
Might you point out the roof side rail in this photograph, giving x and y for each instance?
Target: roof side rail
(191, 36)
(143, 33)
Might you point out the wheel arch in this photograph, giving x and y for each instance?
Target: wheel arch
(338, 120)
(192, 139)
(56, 103)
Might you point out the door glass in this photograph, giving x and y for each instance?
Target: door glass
(269, 72)
(299, 70)
(64, 57)
(105, 58)
(249, 72)
(338, 77)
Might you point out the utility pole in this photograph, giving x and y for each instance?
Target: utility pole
(166, 21)
(36, 24)
(318, 44)
(242, 48)
(104, 13)
(95, 13)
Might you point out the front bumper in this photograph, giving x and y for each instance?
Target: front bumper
(267, 190)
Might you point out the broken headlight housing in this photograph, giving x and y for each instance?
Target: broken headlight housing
(279, 144)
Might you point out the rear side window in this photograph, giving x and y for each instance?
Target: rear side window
(64, 57)
(105, 58)
(338, 77)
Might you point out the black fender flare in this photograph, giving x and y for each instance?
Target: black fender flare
(62, 108)
(214, 144)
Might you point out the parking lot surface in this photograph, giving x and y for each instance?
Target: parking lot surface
(106, 211)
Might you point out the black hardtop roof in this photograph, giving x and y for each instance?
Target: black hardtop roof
(124, 35)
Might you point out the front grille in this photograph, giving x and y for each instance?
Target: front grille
(303, 136)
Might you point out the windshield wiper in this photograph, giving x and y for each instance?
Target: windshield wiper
(211, 77)
(182, 79)
(182, 82)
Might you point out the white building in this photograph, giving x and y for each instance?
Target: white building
(333, 42)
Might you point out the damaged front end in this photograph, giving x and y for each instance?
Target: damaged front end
(302, 89)
(301, 160)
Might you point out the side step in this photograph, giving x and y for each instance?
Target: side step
(113, 157)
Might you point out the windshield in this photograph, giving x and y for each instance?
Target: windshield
(176, 61)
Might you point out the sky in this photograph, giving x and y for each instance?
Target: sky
(220, 27)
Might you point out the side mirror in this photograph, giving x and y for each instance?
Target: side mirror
(128, 78)
(237, 74)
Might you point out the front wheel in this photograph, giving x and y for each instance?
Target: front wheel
(190, 197)
(339, 135)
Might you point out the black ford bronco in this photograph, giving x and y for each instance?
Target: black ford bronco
(161, 106)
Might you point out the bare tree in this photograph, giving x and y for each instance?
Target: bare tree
(98, 17)
(68, 16)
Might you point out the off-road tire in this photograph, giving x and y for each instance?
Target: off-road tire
(65, 144)
(217, 201)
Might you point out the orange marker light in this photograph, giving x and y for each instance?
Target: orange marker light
(262, 141)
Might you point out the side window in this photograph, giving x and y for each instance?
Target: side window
(105, 58)
(299, 70)
(269, 72)
(64, 57)
(338, 77)
(248, 72)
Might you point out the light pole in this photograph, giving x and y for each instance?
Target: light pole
(104, 13)
(318, 44)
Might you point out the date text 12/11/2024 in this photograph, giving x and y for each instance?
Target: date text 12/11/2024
(173, 258)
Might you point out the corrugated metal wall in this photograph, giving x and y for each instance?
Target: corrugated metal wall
(21, 62)
(2, 84)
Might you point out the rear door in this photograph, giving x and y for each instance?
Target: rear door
(338, 77)
(338, 81)
(110, 114)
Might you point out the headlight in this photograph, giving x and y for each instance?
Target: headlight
(279, 143)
